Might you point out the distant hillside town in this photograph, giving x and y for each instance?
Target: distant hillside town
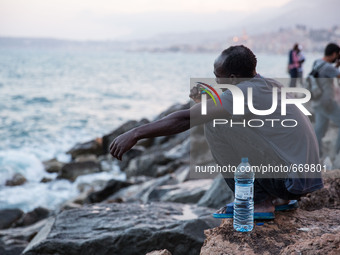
(277, 42)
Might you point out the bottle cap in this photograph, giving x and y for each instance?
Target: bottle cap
(244, 160)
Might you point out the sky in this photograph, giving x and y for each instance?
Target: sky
(120, 20)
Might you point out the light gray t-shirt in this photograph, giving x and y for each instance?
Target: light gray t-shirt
(327, 73)
(294, 145)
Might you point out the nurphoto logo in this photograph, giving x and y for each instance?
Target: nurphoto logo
(238, 99)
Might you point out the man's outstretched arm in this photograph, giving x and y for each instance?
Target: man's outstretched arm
(174, 123)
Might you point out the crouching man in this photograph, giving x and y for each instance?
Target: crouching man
(268, 144)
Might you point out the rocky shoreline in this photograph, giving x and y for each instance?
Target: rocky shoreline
(157, 207)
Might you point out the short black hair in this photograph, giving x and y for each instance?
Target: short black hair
(239, 61)
(331, 48)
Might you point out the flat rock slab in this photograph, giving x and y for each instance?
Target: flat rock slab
(127, 228)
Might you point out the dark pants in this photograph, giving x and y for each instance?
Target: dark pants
(293, 77)
(229, 144)
(267, 188)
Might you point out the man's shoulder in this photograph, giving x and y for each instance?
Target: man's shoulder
(323, 65)
(328, 70)
(260, 82)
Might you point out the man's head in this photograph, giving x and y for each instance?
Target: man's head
(332, 52)
(235, 62)
(296, 47)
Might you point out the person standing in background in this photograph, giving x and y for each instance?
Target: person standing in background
(302, 59)
(326, 108)
(294, 64)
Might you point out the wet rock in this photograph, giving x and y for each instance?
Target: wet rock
(70, 205)
(111, 187)
(17, 180)
(179, 151)
(126, 229)
(171, 167)
(186, 192)
(53, 166)
(139, 179)
(86, 157)
(159, 252)
(182, 174)
(180, 139)
(160, 159)
(129, 155)
(162, 139)
(14, 240)
(80, 199)
(32, 217)
(9, 216)
(108, 163)
(146, 164)
(45, 180)
(72, 170)
(140, 192)
(107, 139)
(91, 186)
(218, 195)
(94, 147)
(199, 149)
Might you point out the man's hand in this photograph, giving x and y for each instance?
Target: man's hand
(122, 144)
(195, 94)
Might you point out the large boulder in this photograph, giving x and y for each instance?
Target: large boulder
(218, 195)
(9, 217)
(72, 170)
(129, 228)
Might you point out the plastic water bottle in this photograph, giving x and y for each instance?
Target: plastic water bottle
(244, 203)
